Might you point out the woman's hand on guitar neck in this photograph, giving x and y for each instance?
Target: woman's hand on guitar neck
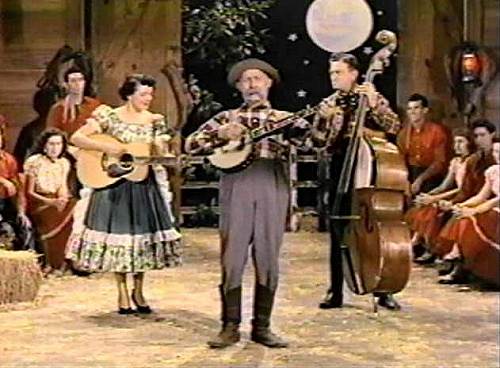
(231, 131)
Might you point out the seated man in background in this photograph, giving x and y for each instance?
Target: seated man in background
(426, 148)
(70, 113)
(15, 228)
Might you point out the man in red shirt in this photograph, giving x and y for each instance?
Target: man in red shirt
(425, 145)
(71, 112)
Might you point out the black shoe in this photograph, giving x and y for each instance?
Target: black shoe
(445, 268)
(330, 303)
(388, 301)
(264, 336)
(229, 335)
(456, 276)
(418, 249)
(126, 311)
(451, 279)
(426, 258)
(331, 300)
(142, 309)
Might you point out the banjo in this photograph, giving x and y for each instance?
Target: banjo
(235, 155)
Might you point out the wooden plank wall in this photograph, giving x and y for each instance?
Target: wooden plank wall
(136, 37)
(126, 36)
(428, 29)
(489, 36)
(30, 34)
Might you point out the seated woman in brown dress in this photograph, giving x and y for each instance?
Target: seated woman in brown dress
(473, 180)
(50, 205)
(421, 218)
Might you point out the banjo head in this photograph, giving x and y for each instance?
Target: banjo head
(226, 160)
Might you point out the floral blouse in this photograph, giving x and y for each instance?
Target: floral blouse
(49, 176)
(105, 119)
(492, 174)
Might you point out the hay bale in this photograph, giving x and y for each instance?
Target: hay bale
(20, 276)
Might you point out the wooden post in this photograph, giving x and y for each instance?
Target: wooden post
(139, 37)
(136, 37)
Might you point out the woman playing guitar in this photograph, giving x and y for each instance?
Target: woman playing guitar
(127, 226)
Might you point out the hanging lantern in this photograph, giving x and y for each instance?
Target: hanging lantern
(471, 67)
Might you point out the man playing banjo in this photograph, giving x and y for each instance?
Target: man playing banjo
(253, 201)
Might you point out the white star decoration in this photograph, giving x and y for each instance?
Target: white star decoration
(367, 50)
(293, 37)
(301, 93)
(306, 62)
(380, 12)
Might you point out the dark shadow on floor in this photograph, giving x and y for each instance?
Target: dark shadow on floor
(189, 320)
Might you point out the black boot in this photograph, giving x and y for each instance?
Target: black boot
(332, 300)
(231, 318)
(387, 300)
(261, 332)
(334, 295)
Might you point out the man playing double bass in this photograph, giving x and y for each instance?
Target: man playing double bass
(332, 127)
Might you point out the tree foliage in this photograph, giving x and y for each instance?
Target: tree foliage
(223, 31)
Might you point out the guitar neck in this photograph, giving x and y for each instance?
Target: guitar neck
(156, 160)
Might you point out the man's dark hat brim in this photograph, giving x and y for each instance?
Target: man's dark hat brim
(238, 69)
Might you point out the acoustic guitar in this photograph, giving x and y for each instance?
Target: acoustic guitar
(96, 169)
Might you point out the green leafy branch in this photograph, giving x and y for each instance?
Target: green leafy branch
(225, 31)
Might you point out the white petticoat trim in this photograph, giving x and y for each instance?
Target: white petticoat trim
(124, 240)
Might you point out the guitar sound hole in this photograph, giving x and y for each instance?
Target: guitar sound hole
(126, 160)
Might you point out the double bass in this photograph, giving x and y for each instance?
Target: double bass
(369, 201)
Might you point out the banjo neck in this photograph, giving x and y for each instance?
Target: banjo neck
(278, 126)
